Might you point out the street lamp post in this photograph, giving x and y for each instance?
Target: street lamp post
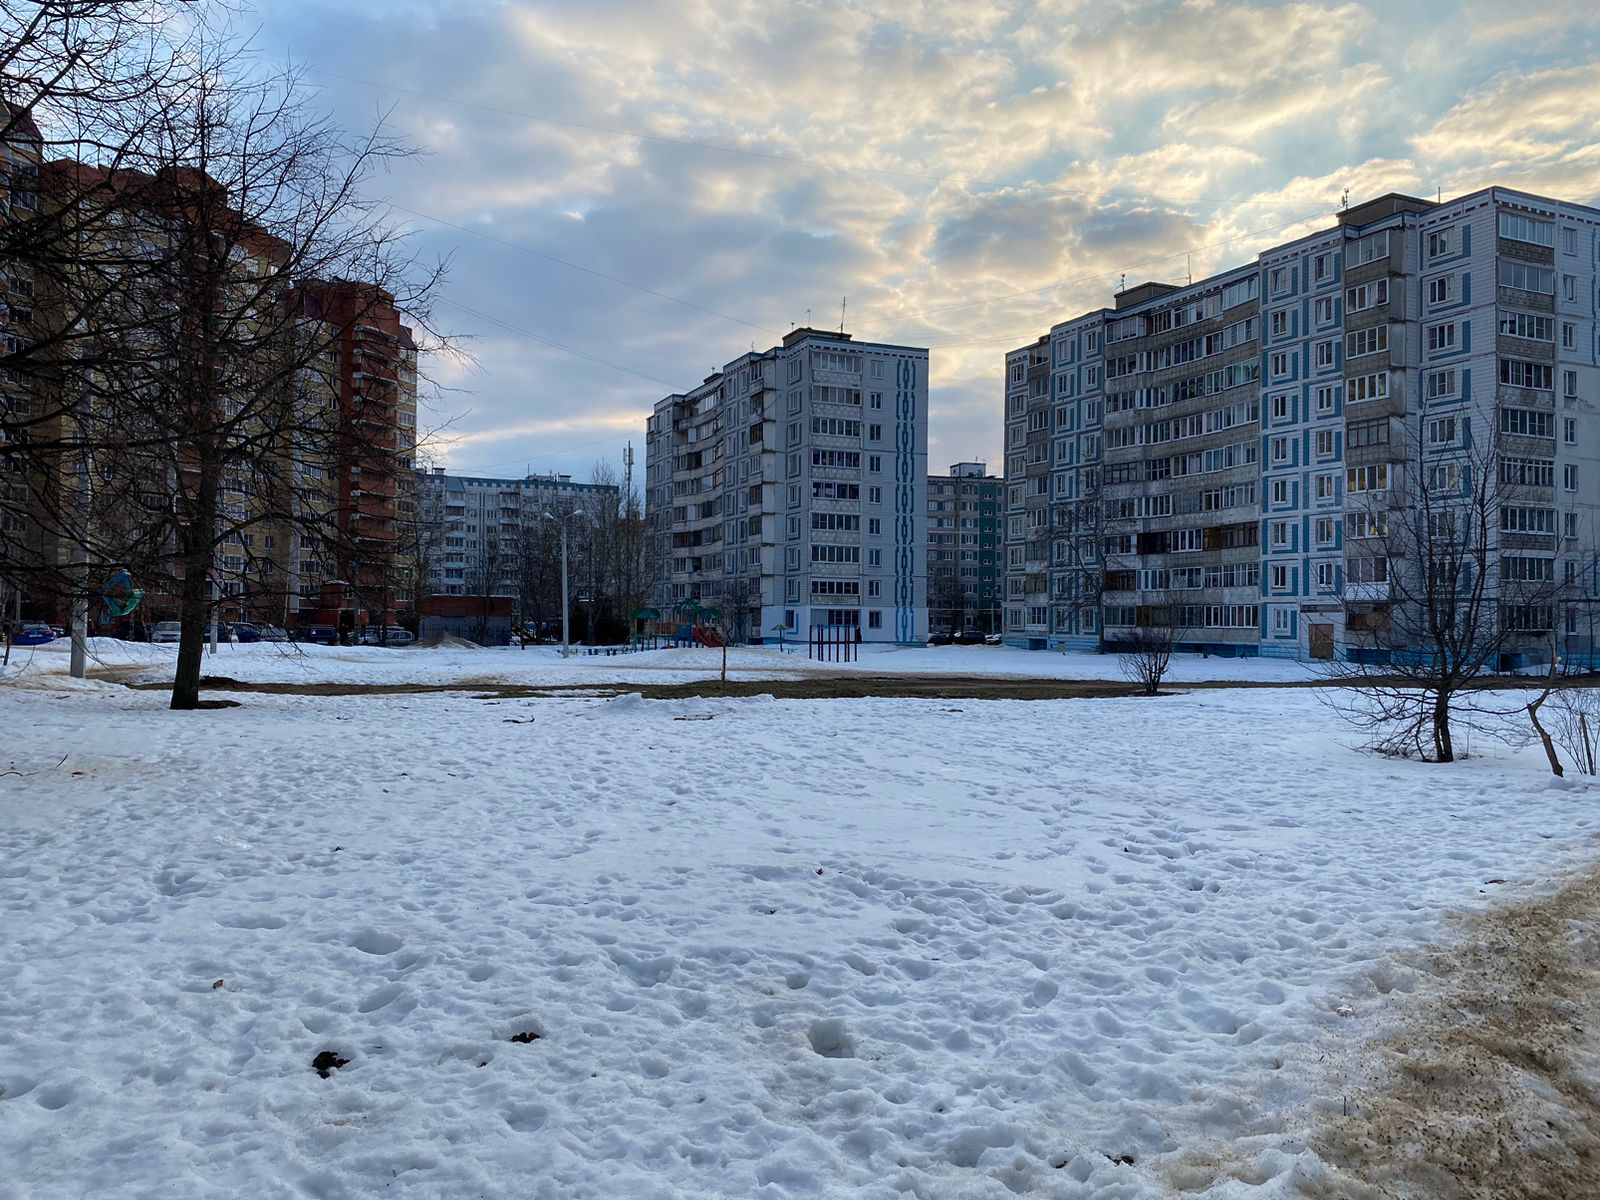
(566, 606)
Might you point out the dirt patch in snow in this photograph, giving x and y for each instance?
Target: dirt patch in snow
(1493, 1090)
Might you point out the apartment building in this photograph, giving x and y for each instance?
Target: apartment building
(1209, 455)
(476, 529)
(790, 488)
(19, 197)
(363, 479)
(964, 549)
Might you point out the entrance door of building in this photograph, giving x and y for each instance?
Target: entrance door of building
(1321, 640)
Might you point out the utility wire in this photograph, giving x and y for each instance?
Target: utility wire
(553, 344)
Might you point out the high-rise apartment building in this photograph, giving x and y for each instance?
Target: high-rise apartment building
(1215, 450)
(477, 529)
(964, 549)
(790, 488)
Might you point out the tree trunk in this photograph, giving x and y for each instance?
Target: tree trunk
(1443, 747)
(1538, 727)
(192, 604)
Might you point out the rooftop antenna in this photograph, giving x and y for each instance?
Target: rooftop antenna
(1122, 282)
(1188, 260)
(1344, 201)
(843, 301)
(808, 318)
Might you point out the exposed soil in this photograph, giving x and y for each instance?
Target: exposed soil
(1492, 1091)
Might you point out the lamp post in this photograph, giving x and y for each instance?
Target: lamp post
(565, 605)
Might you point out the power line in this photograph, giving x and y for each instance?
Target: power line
(553, 344)
(777, 156)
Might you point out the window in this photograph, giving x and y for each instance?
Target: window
(1569, 478)
(1280, 449)
(1569, 523)
(1279, 577)
(1569, 336)
(1366, 479)
(1517, 569)
(1322, 267)
(1519, 228)
(1528, 472)
(1374, 432)
(1327, 398)
(874, 495)
(1569, 384)
(1368, 569)
(1325, 577)
(1439, 243)
(1280, 408)
(1516, 372)
(1325, 443)
(1569, 430)
(1326, 528)
(1366, 295)
(1327, 486)
(1278, 323)
(1281, 533)
(1325, 350)
(1362, 341)
(874, 618)
(1528, 520)
(1442, 337)
(1442, 290)
(1528, 325)
(1280, 492)
(1525, 277)
(1280, 364)
(1569, 241)
(1323, 310)
(1366, 525)
(1442, 431)
(1526, 422)
(1368, 387)
(1441, 384)
(874, 463)
(1569, 287)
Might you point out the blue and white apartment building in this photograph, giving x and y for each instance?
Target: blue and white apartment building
(790, 489)
(1218, 445)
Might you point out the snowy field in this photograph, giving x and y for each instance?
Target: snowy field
(874, 948)
(286, 663)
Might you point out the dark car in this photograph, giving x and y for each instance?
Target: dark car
(32, 633)
(245, 631)
(321, 635)
(942, 638)
(969, 637)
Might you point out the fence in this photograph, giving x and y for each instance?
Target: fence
(834, 643)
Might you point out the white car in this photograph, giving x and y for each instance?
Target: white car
(167, 631)
(394, 635)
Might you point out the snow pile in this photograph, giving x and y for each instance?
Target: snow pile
(441, 946)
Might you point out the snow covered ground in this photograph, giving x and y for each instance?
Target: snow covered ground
(868, 948)
(287, 663)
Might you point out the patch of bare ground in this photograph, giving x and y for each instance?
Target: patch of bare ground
(1491, 1091)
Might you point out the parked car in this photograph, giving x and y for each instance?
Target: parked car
(942, 638)
(993, 639)
(969, 637)
(58, 630)
(393, 635)
(32, 633)
(246, 631)
(271, 633)
(321, 635)
(166, 631)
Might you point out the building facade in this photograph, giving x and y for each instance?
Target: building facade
(477, 530)
(790, 489)
(1210, 455)
(964, 549)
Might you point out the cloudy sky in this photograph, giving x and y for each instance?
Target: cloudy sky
(635, 191)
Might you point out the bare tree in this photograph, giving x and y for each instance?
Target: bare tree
(1449, 577)
(192, 347)
(947, 599)
(1077, 577)
(1146, 655)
